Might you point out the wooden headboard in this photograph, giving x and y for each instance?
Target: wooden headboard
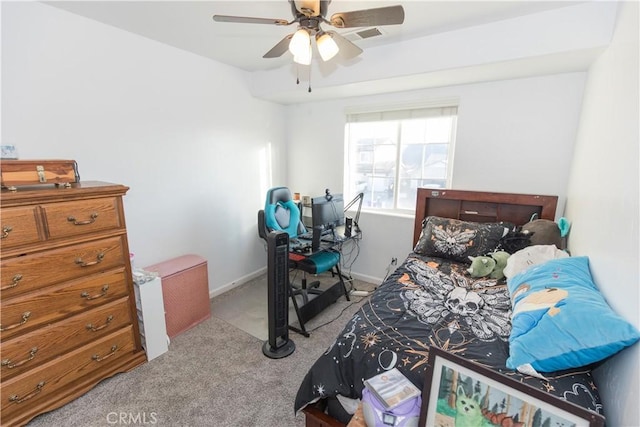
(480, 206)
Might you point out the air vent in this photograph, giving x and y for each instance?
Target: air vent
(371, 32)
(363, 34)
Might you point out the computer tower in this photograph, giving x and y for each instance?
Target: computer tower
(278, 345)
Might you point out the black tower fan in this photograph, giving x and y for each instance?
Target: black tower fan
(279, 345)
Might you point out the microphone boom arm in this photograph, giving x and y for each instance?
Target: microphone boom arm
(359, 198)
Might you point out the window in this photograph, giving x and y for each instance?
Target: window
(390, 154)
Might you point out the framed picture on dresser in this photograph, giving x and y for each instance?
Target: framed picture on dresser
(8, 152)
(458, 392)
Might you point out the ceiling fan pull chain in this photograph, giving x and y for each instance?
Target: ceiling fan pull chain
(309, 78)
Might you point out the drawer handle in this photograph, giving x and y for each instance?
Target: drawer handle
(97, 328)
(471, 212)
(17, 399)
(14, 282)
(12, 365)
(25, 317)
(98, 260)
(89, 221)
(86, 295)
(101, 358)
(5, 231)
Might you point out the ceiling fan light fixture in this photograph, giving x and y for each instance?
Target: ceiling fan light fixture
(303, 57)
(326, 46)
(300, 42)
(309, 14)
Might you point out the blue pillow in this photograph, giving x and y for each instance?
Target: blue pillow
(560, 319)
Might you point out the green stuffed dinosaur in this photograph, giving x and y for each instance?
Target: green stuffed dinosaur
(492, 265)
(500, 258)
(481, 266)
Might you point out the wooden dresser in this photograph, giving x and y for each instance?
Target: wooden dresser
(66, 297)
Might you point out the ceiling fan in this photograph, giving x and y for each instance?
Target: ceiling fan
(309, 15)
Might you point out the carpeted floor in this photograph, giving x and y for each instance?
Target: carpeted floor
(213, 375)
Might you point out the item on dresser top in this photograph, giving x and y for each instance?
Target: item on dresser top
(8, 151)
(33, 172)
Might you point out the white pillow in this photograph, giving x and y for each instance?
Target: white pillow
(530, 256)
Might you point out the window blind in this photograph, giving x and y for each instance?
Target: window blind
(402, 114)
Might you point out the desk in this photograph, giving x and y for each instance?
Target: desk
(320, 301)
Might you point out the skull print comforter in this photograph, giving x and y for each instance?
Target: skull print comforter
(427, 302)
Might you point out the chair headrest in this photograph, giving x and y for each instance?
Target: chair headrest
(279, 198)
(278, 194)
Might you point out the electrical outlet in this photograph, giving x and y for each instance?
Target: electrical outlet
(394, 261)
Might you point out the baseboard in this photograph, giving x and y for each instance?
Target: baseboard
(240, 281)
(368, 279)
(244, 279)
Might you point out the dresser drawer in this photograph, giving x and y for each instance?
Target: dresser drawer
(42, 384)
(32, 349)
(81, 217)
(24, 313)
(29, 272)
(19, 227)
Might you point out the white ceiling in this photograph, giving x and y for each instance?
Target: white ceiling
(188, 25)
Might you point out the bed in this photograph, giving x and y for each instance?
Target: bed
(433, 301)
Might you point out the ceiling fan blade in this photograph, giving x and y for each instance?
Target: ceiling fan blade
(280, 48)
(249, 20)
(348, 50)
(368, 17)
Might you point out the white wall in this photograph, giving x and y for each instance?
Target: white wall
(180, 130)
(513, 136)
(603, 198)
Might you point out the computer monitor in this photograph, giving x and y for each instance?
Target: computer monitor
(327, 211)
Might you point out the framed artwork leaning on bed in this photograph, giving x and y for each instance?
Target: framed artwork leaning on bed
(458, 392)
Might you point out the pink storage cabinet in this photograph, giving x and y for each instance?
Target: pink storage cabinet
(185, 288)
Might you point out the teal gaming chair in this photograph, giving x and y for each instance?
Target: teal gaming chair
(282, 213)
